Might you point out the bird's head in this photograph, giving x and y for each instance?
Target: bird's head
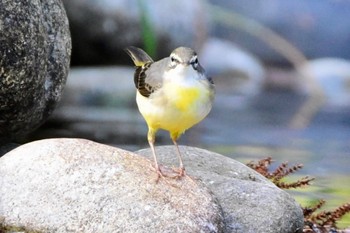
(182, 58)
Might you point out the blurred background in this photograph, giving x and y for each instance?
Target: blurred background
(281, 69)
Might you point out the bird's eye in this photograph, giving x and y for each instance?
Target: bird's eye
(173, 61)
(194, 63)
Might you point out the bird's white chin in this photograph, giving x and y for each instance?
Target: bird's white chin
(181, 74)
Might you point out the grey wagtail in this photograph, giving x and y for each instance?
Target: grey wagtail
(173, 94)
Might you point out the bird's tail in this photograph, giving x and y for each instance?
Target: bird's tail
(138, 56)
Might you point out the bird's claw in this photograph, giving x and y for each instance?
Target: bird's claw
(180, 172)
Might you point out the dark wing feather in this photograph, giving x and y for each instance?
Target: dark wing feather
(140, 76)
(148, 78)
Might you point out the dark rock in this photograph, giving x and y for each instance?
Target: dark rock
(35, 54)
(249, 201)
(75, 185)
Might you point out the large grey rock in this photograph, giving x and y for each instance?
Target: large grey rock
(101, 29)
(249, 201)
(75, 185)
(34, 61)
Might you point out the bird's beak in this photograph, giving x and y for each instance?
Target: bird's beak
(188, 63)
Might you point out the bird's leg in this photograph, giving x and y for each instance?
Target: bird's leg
(182, 167)
(151, 136)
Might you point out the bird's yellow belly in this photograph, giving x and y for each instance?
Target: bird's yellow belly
(178, 109)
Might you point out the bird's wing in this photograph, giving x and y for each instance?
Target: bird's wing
(148, 74)
(149, 77)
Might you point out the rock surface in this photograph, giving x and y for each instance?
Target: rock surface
(75, 185)
(250, 202)
(35, 54)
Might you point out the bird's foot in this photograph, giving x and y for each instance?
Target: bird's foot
(166, 173)
(160, 173)
(180, 172)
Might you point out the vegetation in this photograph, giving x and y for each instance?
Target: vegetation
(315, 220)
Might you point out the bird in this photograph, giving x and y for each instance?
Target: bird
(173, 94)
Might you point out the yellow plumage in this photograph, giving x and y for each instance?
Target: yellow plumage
(187, 97)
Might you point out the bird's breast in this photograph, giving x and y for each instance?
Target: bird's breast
(184, 98)
(187, 98)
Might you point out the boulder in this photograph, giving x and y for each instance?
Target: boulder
(75, 185)
(250, 202)
(35, 51)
